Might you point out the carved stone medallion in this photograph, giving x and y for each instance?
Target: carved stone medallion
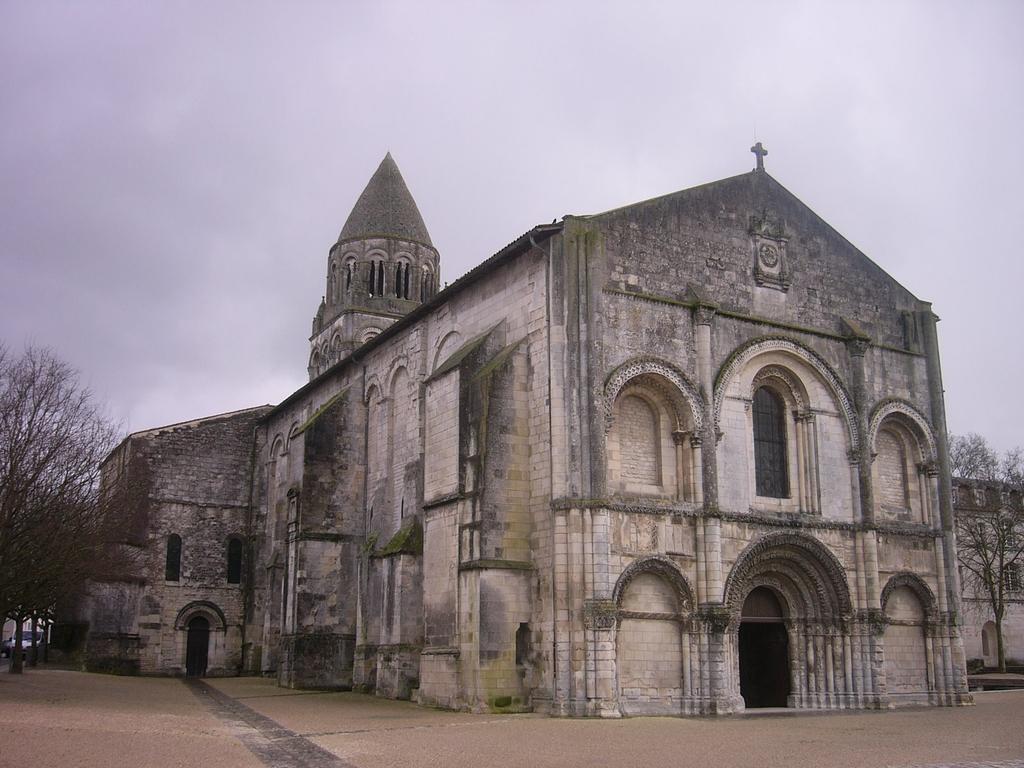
(768, 238)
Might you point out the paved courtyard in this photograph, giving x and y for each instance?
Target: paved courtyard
(56, 717)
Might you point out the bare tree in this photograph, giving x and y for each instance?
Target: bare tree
(990, 527)
(973, 458)
(56, 528)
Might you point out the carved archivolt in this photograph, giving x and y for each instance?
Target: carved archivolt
(676, 385)
(741, 357)
(917, 586)
(662, 567)
(921, 429)
(779, 375)
(799, 566)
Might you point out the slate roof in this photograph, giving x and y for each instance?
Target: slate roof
(386, 209)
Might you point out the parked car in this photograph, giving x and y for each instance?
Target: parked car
(26, 643)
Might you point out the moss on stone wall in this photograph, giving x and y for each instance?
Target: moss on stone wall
(408, 541)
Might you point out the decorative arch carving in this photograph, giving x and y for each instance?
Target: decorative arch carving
(368, 333)
(660, 566)
(640, 366)
(815, 572)
(920, 428)
(747, 352)
(776, 374)
(277, 446)
(203, 608)
(916, 585)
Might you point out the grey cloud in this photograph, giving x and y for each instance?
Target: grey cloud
(173, 174)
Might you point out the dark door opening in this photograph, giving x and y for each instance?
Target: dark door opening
(197, 647)
(764, 664)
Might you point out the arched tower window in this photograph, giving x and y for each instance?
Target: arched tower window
(332, 283)
(772, 473)
(234, 560)
(426, 284)
(402, 280)
(350, 268)
(372, 285)
(172, 566)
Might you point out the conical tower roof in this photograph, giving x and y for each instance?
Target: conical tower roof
(386, 209)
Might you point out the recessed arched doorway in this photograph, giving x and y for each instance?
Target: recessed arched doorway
(197, 647)
(763, 651)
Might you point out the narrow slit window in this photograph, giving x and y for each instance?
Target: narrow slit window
(234, 561)
(172, 566)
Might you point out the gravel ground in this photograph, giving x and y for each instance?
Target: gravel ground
(68, 718)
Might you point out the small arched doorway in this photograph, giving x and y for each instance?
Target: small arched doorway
(763, 651)
(197, 647)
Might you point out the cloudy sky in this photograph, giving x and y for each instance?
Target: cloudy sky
(172, 174)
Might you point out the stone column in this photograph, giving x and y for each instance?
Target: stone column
(703, 318)
(949, 571)
(807, 447)
(856, 346)
(696, 469)
(684, 468)
(562, 617)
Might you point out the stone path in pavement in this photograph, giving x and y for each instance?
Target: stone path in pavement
(273, 744)
(67, 718)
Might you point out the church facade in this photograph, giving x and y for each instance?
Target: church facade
(687, 456)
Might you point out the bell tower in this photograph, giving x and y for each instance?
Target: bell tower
(383, 266)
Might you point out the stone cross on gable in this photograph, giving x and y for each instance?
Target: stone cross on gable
(760, 151)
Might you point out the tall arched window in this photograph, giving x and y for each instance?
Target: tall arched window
(372, 286)
(350, 268)
(234, 560)
(772, 473)
(172, 566)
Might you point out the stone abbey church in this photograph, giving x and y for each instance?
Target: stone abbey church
(687, 456)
